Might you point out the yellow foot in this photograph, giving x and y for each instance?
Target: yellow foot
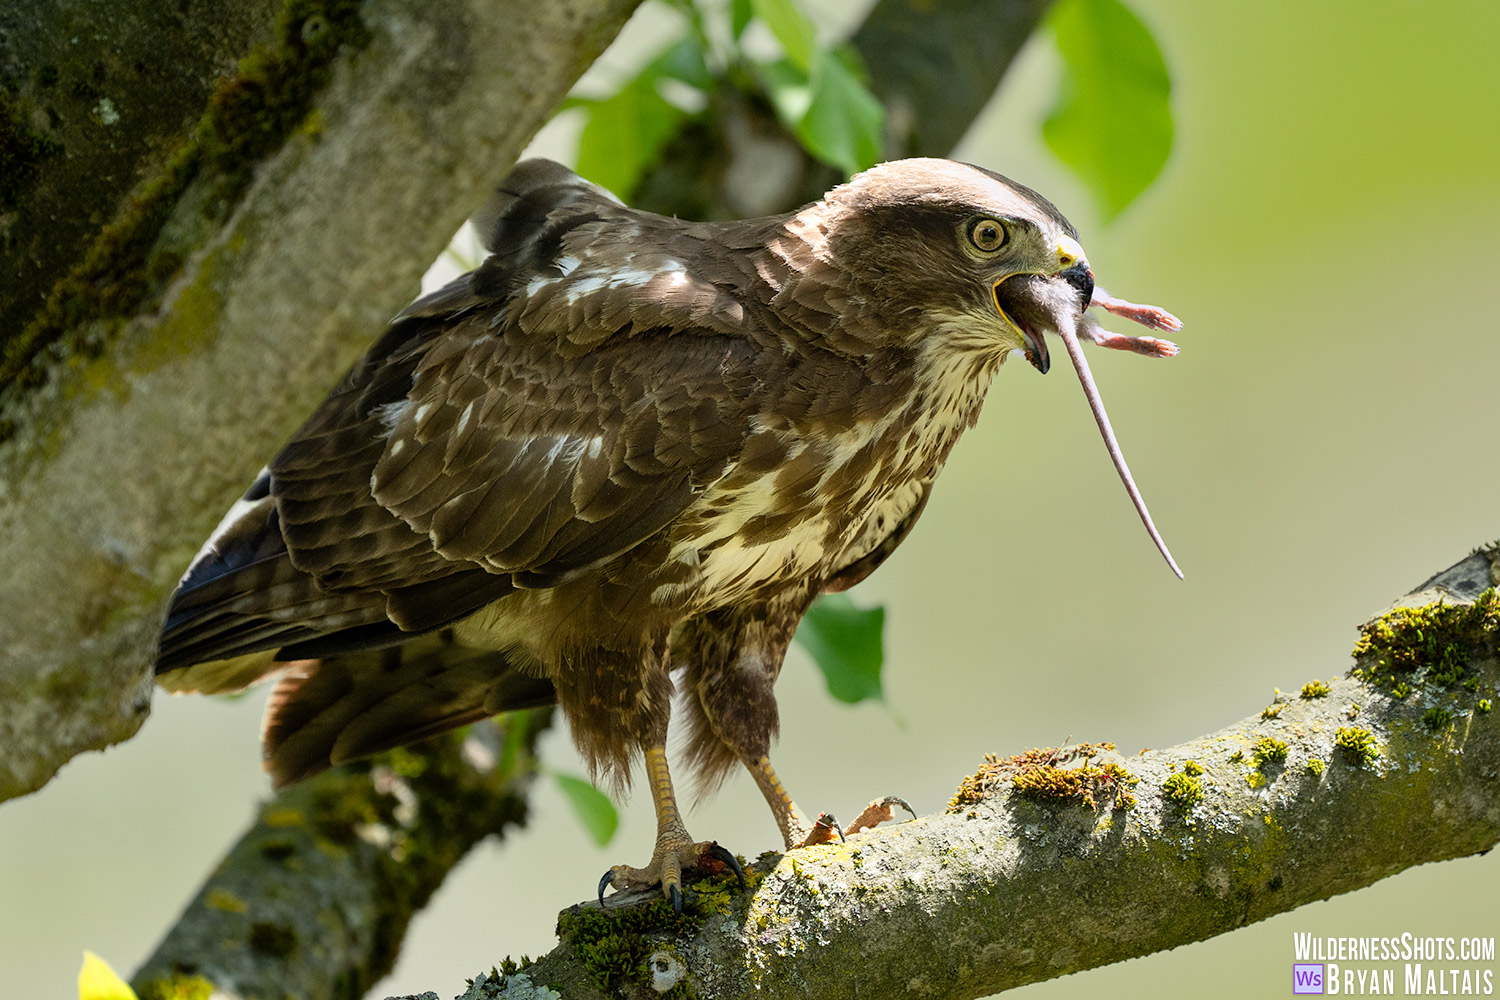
(877, 812)
(666, 867)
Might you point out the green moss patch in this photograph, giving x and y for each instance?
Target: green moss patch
(613, 944)
(1183, 790)
(22, 150)
(248, 117)
(508, 967)
(1437, 718)
(1315, 689)
(1409, 647)
(180, 987)
(1268, 751)
(1357, 745)
(1039, 774)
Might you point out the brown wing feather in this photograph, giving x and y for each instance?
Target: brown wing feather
(501, 432)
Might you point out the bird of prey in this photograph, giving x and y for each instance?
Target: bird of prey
(627, 446)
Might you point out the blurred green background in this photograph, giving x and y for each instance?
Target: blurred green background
(1327, 439)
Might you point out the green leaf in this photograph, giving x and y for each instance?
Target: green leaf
(845, 642)
(1113, 122)
(843, 121)
(97, 981)
(593, 808)
(740, 13)
(792, 28)
(625, 133)
(513, 728)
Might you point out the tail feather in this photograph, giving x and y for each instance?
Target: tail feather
(243, 595)
(326, 712)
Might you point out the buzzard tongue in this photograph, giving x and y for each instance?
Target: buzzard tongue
(1067, 328)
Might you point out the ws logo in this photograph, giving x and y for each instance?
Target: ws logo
(1307, 977)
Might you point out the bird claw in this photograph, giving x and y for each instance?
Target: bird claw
(604, 883)
(665, 869)
(725, 857)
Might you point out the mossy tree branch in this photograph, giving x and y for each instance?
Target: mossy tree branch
(92, 103)
(314, 899)
(1317, 795)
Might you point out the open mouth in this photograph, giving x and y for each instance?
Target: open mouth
(1036, 304)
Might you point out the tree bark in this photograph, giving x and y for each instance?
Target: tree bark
(1010, 886)
(234, 284)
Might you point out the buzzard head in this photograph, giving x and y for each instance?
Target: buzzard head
(967, 266)
(955, 251)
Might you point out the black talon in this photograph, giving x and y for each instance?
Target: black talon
(721, 854)
(828, 822)
(896, 800)
(603, 882)
(675, 892)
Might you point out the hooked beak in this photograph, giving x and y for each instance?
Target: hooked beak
(1036, 351)
(1012, 298)
(1037, 302)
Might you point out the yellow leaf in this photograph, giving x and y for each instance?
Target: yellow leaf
(97, 981)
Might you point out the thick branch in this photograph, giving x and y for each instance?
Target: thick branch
(934, 74)
(92, 102)
(1006, 888)
(314, 900)
(138, 430)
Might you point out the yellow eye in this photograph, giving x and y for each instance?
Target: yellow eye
(987, 235)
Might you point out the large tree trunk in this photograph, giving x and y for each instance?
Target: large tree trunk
(214, 207)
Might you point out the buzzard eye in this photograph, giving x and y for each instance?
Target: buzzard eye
(987, 235)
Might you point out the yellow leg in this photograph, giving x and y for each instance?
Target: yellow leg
(796, 831)
(661, 791)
